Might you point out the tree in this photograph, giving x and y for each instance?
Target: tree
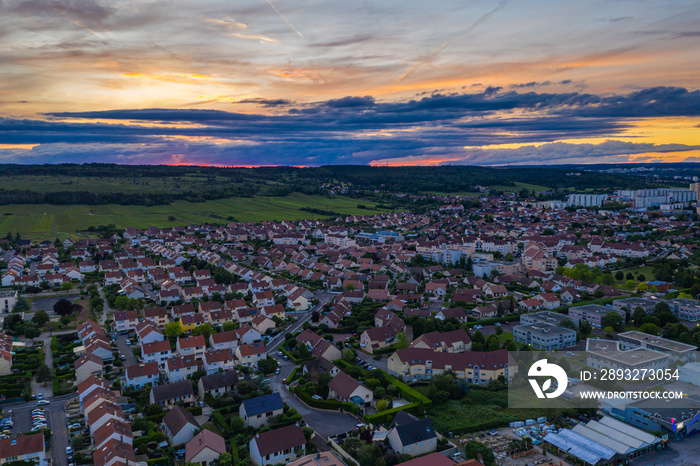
(612, 319)
(63, 307)
(509, 257)
(348, 355)
(472, 449)
(382, 405)
(224, 459)
(585, 328)
(401, 341)
(21, 305)
(204, 330)
(638, 316)
(303, 351)
(661, 306)
(173, 329)
(44, 374)
(619, 276)
(40, 318)
(568, 323)
(649, 328)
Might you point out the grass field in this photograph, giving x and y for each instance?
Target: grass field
(508, 189)
(646, 270)
(44, 221)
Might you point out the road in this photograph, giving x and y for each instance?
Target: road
(323, 299)
(325, 423)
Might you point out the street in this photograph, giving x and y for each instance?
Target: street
(126, 350)
(323, 299)
(325, 423)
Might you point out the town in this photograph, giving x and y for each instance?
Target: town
(356, 340)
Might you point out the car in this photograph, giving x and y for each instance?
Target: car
(265, 381)
(280, 353)
(70, 458)
(36, 428)
(360, 426)
(39, 424)
(43, 402)
(39, 419)
(277, 371)
(201, 404)
(284, 381)
(316, 397)
(286, 358)
(122, 357)
(69, 451)
(456, 455)
(40, 396)
(497, 324)
(33, 397)
(75, 425)
(128, 342)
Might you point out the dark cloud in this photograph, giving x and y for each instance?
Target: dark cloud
(345, 130)
(266, 102)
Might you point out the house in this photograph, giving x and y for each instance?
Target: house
(217, 384)
(157, 315)
(452, 313)
(318, 346)
(89, 385)
(455, 341)
(178, 311)
(140, 375)
(318, 366)
(114, 429)
(279, 446)
(248, 355)
(103, 413)
(167, 395)
(262, 324)
(87, 365)
(263, 299)
(191, 346)
(97, 398)
(100, 347)
(158, 351)
(148, 332)
(114, 453)
(179, 425)
(342, 387)
(204, 448)
(190, 321)
(259, 411)
(549, 300)
(412, 436)
(28, 448)
(224, 340)
(216, 360)
(181, 367)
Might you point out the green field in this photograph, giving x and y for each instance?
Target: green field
(519, 186)
(43, 221)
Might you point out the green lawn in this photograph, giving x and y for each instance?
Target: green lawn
(646, 270)
(50, 221)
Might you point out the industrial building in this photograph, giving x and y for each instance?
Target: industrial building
(675, 350)
(608, 441)
(608, 354)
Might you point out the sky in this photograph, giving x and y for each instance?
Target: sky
(383, 82)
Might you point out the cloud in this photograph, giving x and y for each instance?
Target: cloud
(361, 129)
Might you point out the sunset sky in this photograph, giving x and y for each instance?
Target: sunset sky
(282, 82)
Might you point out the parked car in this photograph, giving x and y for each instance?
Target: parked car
(43, 402)
(75, 425)
(69, 451)
(277, 371)
(40, 396)
(280, 353)
(122, 357)
(201, 404)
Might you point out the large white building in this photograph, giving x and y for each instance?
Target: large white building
(646, 198)
(587, 200)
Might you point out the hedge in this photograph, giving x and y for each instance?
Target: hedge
(385, 416)
(292, 375)
(195, 410)
(408, 393)
(158, 461)
(314, 403)
(294, 359)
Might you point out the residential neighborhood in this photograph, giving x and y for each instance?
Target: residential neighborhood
(347, 339)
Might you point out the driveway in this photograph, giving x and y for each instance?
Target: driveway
(126, 350)
(381, 364)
